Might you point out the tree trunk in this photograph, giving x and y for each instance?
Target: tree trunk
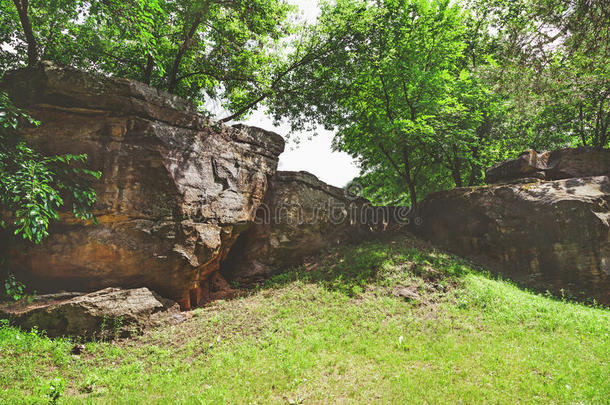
(26, 24)
(482, 132)
(474, 168)
(186, 44)
(456, 168)
(457, 176)
(601, 127)
(409, 179)
(148, 70)
(581, 127)
(412, 193)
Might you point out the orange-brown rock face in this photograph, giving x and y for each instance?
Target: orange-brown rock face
(176, 189)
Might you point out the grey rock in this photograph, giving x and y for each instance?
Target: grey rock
(300, 216)
(407, 293)
(552, 165)
(108, 313)
(549, 235)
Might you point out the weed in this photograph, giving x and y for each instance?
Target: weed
(13, 288)
(56, 389)
(118, 324)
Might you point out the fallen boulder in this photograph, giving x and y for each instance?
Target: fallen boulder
(547, 235)
(176, 189)
(552, 165)
(300, 216)
(105, 314)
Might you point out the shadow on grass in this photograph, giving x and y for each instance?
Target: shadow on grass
(388, 262)
(393, 261)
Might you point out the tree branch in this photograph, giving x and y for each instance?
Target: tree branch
(392, 162)
(310, 56)
(184, 46)
(26, 24)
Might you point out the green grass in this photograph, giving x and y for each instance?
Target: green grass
(332, 331)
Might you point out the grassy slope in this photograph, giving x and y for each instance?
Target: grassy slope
(331, 331)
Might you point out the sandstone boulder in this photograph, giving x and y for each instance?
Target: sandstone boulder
(552, 165)
(104, 314)
(547, 235)
(176, 188)
(300, 216)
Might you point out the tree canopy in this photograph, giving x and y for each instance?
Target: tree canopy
(423, 93)
(226, 50)
(427, 93)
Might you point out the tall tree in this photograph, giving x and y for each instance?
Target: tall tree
(385, 88)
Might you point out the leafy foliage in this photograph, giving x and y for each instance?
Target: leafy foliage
(13, 288)
(427, 93)
(552, 68)
(200, 49)
(399, 93)
(424, 93)
(33, 186)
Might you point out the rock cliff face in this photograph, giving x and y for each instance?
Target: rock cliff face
(551, 235)
(300, 216)
(176, 189)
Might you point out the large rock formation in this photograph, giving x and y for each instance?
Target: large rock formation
(300, 216)
(552, 165)
(109, 313)
(547, 235)
(176, 189)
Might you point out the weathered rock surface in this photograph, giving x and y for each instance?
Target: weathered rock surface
(552, 165)
(107, 313)
(300, 216)
(547, 235)
(176, 189)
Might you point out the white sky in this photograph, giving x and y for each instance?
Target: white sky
(313, 153)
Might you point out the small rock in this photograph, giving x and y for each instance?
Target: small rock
(407, 293)
(77, 349)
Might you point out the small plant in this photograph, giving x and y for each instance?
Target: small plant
(33, 186)
(56, 389)
(103, 328)
(13, 288)
(118, 323)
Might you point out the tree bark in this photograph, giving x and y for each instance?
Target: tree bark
(409, 179)
(148, 70)
(26, 24)
(184, 46)
(474, 168)
(601, 127)
(457, 176)
(456, 168)
(581, 127)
